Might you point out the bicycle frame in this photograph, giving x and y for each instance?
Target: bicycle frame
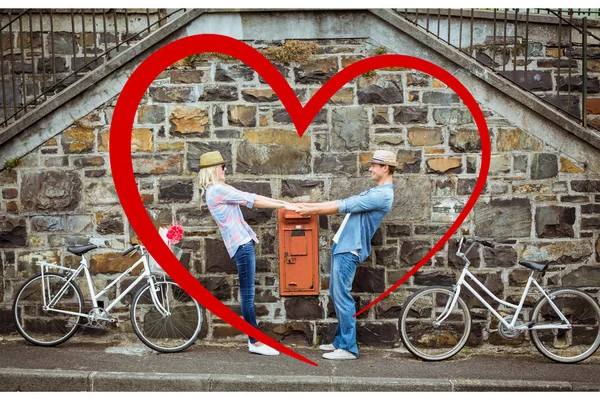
(50, 300)
(461, 282)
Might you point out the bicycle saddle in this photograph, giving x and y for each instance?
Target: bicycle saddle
(538, 267)
(81, 250)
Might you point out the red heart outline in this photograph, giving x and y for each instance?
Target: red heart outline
(122, 165)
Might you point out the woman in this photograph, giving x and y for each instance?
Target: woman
(224, 202)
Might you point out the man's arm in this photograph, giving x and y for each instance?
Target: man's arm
(325, 208)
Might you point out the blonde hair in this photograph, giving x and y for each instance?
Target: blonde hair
(208, 176)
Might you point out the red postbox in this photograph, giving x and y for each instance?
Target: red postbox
(298, 254)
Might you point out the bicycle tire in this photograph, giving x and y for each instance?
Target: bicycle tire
(166, 333)
(567, 345)
(421, 338)
(47, 328)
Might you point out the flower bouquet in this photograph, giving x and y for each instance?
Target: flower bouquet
(171, 236)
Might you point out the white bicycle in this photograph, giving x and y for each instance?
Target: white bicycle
(435, 323)
(48, 308)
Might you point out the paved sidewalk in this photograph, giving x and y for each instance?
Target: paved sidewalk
(125, 364)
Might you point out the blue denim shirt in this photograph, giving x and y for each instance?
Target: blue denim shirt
(368, 210)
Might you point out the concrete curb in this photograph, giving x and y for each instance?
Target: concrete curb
(95, 381)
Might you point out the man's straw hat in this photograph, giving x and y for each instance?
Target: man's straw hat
(384, 157)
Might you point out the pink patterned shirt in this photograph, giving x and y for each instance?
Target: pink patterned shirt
(223, 202)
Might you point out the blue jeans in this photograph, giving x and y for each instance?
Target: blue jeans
(245, 259)
(343, 268)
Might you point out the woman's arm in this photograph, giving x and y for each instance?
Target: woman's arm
(267, 202)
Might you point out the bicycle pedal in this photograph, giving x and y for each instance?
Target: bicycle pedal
(491, 330)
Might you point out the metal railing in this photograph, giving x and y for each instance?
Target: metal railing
(42, 52)
(552, 58)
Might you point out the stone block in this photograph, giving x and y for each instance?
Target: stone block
(345, 164)
(418, 136)
(409, 161)
(412, 251)
(381, 334)
(434, 278)
(384, 92)
(189, 122)
(440, 98)
(414, 115)
(110, 263)
(289, 332)
(554, 221)
(219, 287)
(586, 276)
(510, 139)
(572, 251)
(465, 141)
(317, 71)
(159, 164)
(451, 165)
(585, 186)
(500, 256)
(412, 199)
(273, 151)
(176, 191)
(188, 76)
(369, 280)
(151, 114)
(109, 223)
(53, 65)
(503, 218)
(570, 167)
(233, 73)
(531, 80)
(350, 129)
(500, 164)
(302, 188)
(79, 224)
(574, 83)
(78, 139)
(194, 216)
(544, 166)
(217, 259)
(47, 223)
(100, 193)
(303, 308)
(50, 191)
(244, 116)
(452, 116)
(417, 80)
(13, 232)
(259, 95)
(173, 94)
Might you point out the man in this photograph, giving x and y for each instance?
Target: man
(352, 245)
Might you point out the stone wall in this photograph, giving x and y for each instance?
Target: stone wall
(538, 204)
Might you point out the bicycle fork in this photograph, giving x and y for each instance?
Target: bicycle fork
(154, 288)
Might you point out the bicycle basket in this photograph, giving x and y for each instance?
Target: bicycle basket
(155, 268)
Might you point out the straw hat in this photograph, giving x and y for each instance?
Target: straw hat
(211, 159)
(384, 157)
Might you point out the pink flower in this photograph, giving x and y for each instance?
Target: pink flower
(175, 234)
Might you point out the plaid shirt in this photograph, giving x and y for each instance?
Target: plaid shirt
(223, 202)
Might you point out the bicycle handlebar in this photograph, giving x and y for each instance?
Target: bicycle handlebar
(129, 250)
(480, 241)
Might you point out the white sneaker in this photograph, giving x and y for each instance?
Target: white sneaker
(327, 347)
(263, 350)
(340, 354)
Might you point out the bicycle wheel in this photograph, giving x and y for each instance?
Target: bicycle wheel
(567, 345)
(47, 327)
(419, 332)
(168, 332)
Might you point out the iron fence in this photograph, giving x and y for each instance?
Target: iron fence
(44, 51)
(554, 56)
